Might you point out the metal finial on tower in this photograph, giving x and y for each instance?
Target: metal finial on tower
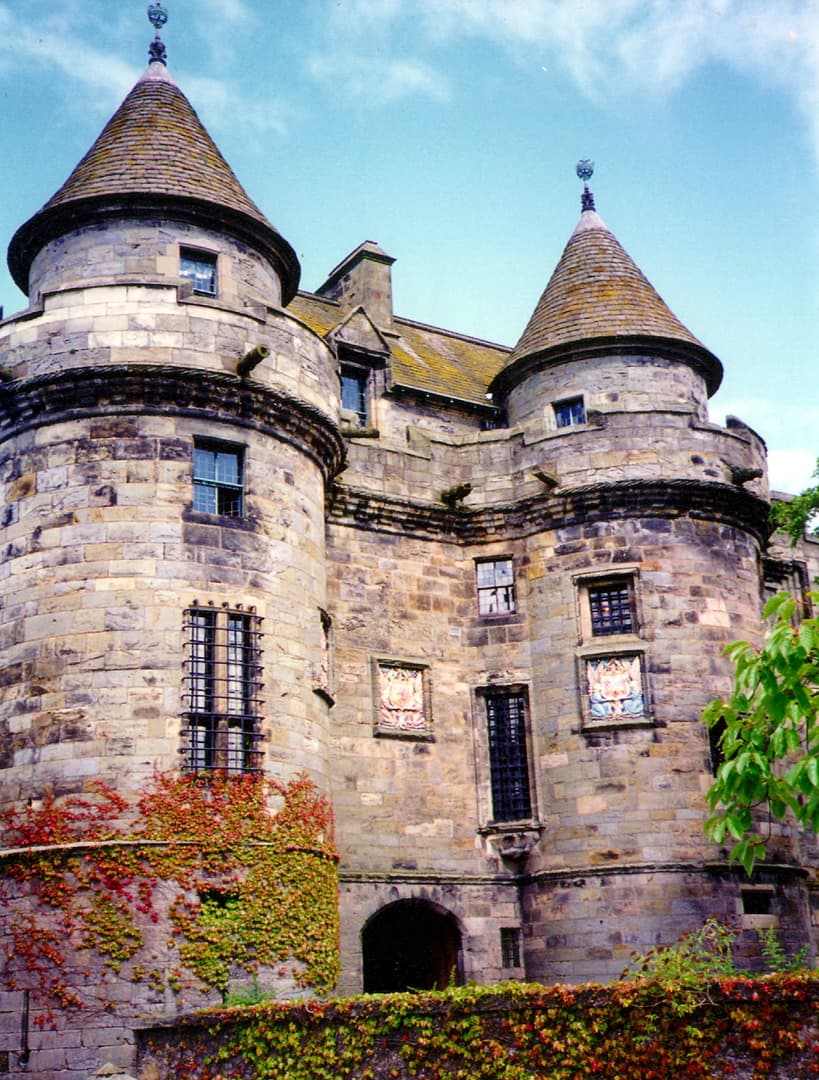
(585, 170)
(158, 16)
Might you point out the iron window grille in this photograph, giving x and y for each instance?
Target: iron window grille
(508, 756)
(222, 691)
(354, 386)
(570, 412)
(218, 482)
(510, 947)
(199, 267)
(611, 606)
(496, 587)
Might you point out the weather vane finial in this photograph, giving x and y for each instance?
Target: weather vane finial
(585, 170)
(157, 16)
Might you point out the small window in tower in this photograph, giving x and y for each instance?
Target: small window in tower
(199, 267)
(506, 712)
(510, 946)
(570, 413)
(354, 395)
(496, 586)
(611, 607)
(222, 690)
(217, 478)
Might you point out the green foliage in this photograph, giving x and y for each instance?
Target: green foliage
(795, 517)
(702, 954)
(776, 959)
(515, 1031)
(254, 994)
(770, 741)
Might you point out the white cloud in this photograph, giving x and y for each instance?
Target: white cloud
(220, 104)
(604, 46)
(377, 80)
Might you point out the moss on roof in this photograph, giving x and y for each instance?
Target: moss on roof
(597, 291)
(154, 151)
(423, 358)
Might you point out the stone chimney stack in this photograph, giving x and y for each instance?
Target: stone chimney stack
(363, 279)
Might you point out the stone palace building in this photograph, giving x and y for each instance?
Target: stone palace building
(477, 593)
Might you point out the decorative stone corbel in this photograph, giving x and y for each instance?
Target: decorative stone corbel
(516, 844)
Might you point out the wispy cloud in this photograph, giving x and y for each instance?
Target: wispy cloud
(52, 36)
(378, 80)
(606, 47)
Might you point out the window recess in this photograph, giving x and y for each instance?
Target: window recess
(355, 403)
(496, 586)
(199, 268)
(218, 480)
(569, 413)
(507, 739)
(222, 690)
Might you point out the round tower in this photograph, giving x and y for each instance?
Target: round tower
(167, 434)
(647, 564)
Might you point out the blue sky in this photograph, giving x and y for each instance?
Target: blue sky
(448, 131)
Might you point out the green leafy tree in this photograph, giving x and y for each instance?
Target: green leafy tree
(769, 737)
(798, 515)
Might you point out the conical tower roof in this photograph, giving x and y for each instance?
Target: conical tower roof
(598, 296)
(154, 153)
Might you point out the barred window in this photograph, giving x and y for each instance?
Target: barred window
(508, 755)
(496, 586)
(199, 267)
(217, 478)
(510, 946)
(611, 606)
(222, 689)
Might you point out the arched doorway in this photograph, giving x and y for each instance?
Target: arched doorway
(410, 945)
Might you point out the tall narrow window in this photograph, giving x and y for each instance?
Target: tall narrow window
(510, 946)
(570, 412)
(508, 755)
(611, 607)
(222, 690)
(496, 587)
(199, 267)
(217, 478)
(354, 395)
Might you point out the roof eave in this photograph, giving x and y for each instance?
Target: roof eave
(688, 352)
(53, 221)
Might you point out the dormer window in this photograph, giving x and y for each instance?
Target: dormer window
(354, 395)
(198, 267)
(570, 413)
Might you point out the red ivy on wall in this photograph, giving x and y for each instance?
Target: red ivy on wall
(233, 874)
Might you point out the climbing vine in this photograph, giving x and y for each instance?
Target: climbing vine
(751, 1028)
(198, 869)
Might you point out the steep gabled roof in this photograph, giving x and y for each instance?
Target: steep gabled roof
(154, 152)
(598, 294)
(423, 358)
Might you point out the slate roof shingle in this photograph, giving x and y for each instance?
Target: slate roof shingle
(597, 291)
(155, 147)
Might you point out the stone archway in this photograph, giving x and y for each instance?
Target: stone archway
(411, 945)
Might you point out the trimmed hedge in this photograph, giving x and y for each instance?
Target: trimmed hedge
(747, 1029)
